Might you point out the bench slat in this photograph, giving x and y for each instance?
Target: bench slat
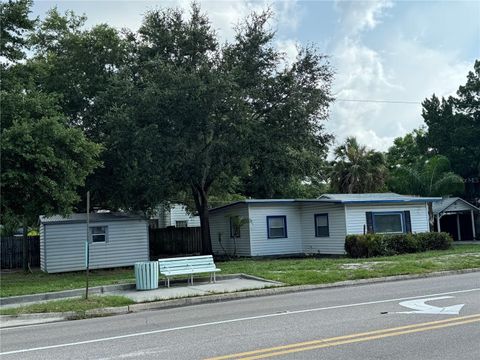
(187, 266)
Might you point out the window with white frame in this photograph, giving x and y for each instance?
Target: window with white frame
(388, 222)
(321, 225)
(98, 233)
(277, 226)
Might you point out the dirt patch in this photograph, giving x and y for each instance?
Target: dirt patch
(477, 254)
(370, 265)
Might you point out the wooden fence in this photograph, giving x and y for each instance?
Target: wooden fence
(175, 241)
(11, 251)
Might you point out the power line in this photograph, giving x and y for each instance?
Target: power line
(380, 101)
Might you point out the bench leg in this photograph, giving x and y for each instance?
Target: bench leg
(191, 279)
(214, 277)
(168, 282)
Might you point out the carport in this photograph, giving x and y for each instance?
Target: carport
(457, 217)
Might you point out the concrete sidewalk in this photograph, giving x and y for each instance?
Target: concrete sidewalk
(200, 288)
(178, 289)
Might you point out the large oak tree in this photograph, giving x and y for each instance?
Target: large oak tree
(209, 116)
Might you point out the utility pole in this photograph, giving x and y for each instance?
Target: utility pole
(87, 246)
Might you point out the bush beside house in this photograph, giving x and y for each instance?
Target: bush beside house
(368, 245)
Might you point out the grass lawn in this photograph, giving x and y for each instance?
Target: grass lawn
(329, 270)
(19, 283)
(290, 271)
(79, 305)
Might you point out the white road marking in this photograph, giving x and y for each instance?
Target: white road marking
(220, 322)
(420, 307)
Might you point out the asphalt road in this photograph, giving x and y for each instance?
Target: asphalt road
(359, 322)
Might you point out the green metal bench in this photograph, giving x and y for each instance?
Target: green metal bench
(187, 266)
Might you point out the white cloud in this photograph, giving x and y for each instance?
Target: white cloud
(290, 50)
(225, 15)
(405, 69)
(360, 15)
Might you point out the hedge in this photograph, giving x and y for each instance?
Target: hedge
(369, 245)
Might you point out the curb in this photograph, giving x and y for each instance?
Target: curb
(37, 316)
(107, 311)
(205, 299)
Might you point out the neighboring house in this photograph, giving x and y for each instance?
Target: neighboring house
(457, 217)
(175, 215)
(317, 226)
(116, 240)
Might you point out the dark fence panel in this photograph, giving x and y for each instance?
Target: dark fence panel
(175, 241)
(11, 251)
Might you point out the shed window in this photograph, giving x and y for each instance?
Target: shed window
(321, 225)
(388, 222)
(98, 233)
(277, 226)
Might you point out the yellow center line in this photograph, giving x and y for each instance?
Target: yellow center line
(360, 339)
(346, 339)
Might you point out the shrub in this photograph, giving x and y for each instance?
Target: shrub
(435, 241)
(364, 245)
(370, 245)
(401, 244)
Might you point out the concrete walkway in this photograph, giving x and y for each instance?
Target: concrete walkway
(182, 289)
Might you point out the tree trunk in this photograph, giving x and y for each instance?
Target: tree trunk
(25, 248)
(200, 196)
(431, 218)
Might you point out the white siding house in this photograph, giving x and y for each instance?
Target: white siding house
(317, 226)
(356, 215)
(220, 231)
(116, 240)
(175, 215)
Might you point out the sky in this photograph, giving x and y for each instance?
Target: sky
(400, 51)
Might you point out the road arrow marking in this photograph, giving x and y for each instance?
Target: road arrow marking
(419, 307)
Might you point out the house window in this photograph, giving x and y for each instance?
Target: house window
(181, 223)
(277, 227)
(321, 225)
(234, 227)
(98, 233)
(388, 222)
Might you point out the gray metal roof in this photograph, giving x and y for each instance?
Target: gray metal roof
(442, 205)
(82, 217)
(378, 197)
(341, 199)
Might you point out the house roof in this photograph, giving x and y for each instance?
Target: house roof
(341, 199)
(445, 203)
(82, 218)
(377, 198)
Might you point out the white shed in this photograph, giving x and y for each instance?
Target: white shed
(313, 226)
(116, 240)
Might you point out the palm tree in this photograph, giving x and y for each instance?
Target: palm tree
(432, 177)
(357, 169)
